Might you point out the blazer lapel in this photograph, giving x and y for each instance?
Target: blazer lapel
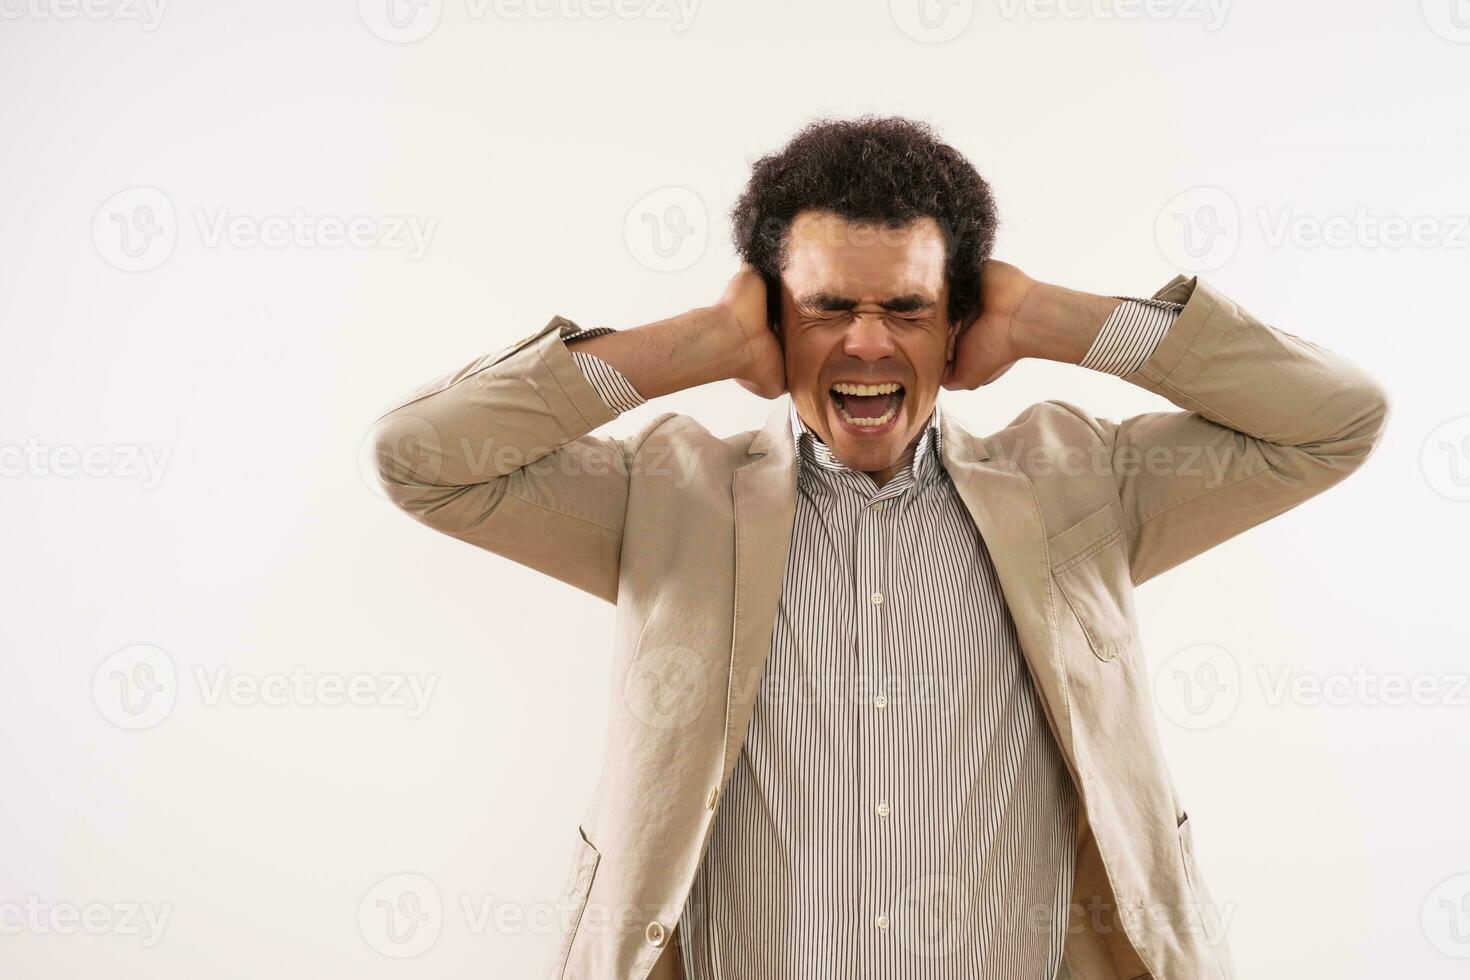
(1002, 502)
(764, 491)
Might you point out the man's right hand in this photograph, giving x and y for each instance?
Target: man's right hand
(762, 369)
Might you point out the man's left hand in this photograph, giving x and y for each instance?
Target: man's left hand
(986, 347)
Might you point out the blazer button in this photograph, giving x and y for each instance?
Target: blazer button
(655, 934)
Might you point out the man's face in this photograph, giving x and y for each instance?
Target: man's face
(865, 326)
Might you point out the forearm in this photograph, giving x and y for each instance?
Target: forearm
(1059, 324)
(685, 351)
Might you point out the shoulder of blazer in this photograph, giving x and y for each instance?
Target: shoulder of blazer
(1048, 425)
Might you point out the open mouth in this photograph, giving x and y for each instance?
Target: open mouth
(867, 406)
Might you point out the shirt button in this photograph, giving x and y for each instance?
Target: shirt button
(877, 598)
(881, 701)
(655, 933)
(882, 922)
(883, 809)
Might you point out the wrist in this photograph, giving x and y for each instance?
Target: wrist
(731, 348)
(1058, 324)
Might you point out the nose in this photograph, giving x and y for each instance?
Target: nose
(867, 339)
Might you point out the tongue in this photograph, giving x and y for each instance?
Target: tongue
(865, 406)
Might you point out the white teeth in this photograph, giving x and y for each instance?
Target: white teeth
(847, 388)
(883, 419)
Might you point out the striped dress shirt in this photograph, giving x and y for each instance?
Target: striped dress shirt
(899, 810)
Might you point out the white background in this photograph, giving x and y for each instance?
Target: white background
(1332, 832)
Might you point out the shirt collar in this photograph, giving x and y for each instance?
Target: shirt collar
(812, 451)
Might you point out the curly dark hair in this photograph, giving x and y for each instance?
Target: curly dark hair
(886, 171)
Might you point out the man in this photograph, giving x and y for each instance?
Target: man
(879, 708)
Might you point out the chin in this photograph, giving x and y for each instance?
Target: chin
(868, 456)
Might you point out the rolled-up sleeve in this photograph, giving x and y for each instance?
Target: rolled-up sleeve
(611, 384)
(1131, 333)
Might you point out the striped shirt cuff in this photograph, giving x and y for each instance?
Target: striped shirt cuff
(609, 383)
(1130, 334)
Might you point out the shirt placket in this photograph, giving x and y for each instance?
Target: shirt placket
(873, 580)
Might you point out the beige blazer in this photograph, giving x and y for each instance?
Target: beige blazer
(688, 532)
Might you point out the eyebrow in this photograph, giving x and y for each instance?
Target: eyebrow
(830, 303)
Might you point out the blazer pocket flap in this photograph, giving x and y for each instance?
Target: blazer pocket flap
(1083, 539)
